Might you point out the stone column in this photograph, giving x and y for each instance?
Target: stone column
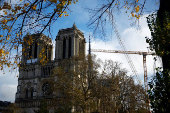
(73, 45)
(76, 45)
(47, 49)
(51, 52)
(37, 70)
(35, 88)
(35, 92)
(21, 72)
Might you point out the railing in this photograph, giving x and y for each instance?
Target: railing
(32, 103)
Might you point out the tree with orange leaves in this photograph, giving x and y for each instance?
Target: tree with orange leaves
(17, 19)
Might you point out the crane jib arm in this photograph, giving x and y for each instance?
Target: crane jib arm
(123, 52)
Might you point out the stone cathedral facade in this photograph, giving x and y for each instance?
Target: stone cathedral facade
(33, 85)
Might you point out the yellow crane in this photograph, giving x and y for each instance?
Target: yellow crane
(131, 52)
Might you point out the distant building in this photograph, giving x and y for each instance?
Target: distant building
(33, 81)
(4, 106)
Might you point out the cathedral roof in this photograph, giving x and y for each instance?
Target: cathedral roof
(39, 36)
(74, 27)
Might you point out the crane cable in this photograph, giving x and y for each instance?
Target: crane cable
(124, 49)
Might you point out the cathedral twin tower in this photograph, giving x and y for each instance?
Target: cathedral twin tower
(33, 84)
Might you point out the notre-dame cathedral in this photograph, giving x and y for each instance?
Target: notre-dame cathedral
(33, 85)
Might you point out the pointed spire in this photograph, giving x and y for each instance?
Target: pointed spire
(89, 45)
(74, 25)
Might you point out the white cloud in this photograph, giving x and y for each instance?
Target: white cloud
(7, 92)
(8, 85)
(134, 41)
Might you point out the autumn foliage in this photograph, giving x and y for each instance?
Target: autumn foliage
(17, 18)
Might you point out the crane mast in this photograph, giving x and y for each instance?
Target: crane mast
(124, 51)
(131, 52)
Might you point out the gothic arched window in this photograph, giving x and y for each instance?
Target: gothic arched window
(69, 51)
(49, 71)
(64, 48)
(32, 91)
(30, 51)
(35, 51)
(26, 93)
(46, 88)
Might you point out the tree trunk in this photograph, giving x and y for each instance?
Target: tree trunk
(164, 7)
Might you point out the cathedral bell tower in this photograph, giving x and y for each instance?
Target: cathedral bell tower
(32, 81)
(33, 45)
(69, 42)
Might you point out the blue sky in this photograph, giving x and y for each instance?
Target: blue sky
(134, 41)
